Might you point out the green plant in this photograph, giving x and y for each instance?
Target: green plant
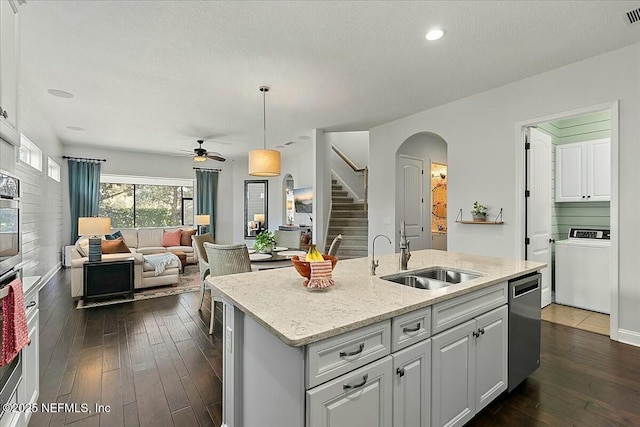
(264, 240)
(479, 210)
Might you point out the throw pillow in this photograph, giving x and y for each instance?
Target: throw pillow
(116, 246)
(185, 238)
(113, 236)
(171, 238)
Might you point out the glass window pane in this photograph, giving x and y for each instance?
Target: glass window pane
(116, 202)
(187, 192)
(158, 205)
(187, 208)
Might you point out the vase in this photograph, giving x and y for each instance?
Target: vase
(479, 218)
(265, 250)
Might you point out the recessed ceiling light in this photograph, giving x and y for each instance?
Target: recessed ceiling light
(78, 128)
(60, 93)
(434, 34)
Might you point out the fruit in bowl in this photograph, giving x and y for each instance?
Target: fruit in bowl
(303, 267)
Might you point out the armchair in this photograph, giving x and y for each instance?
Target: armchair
(203, 261)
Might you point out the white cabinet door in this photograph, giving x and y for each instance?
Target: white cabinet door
(359, 398)
(491, 355)
(30, 364)
(599, 167)
(453, 376)
(9, 71)
(570, 174)
(412, 386)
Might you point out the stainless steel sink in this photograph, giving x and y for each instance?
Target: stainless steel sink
(431, 278)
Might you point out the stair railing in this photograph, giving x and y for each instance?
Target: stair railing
(356, 169)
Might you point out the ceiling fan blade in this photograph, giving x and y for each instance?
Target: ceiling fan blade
(217, 157)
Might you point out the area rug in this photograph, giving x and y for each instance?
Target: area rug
(189, 282)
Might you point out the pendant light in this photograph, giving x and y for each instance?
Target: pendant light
(264, 162)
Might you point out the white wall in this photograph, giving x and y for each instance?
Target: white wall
(355, 146)
(133, 163)
(321, 187)
(481, 134)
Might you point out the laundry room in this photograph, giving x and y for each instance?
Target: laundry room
(581, 221)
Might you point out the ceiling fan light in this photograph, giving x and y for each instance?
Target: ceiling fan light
(264, 163)
(199, 158)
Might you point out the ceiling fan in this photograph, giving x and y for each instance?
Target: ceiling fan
(200, 154)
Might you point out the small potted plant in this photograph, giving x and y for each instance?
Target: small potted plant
(479, 212)
(265, 242)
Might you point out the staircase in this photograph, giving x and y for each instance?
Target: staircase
(349, 219)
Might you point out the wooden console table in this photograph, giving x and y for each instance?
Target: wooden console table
(108, 279)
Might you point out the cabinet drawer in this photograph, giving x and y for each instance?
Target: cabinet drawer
(332, 357)
(450, 313)
(410, 328)
(31, 304)
(359, 398)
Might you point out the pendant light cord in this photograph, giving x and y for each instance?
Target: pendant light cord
(264, 118)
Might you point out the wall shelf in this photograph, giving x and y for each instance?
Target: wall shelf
(497, 221)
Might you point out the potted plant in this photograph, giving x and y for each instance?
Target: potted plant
(479, 212)
(265, 242)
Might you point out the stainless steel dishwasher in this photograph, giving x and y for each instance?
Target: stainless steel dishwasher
(524, 327)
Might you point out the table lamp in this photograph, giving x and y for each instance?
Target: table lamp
(259, 218)
(95, 228)
(202, 221)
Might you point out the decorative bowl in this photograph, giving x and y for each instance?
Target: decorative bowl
(304, 269)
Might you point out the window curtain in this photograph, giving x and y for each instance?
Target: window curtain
(206, 196)
(84, 192)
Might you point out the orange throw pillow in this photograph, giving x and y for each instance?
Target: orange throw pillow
(171, 238)
(185, 238)
(116, 246)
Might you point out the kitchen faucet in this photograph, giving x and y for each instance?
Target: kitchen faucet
(374, 263)
(405, 252)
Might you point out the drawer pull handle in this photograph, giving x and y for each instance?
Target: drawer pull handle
(417, 328)
(476, 334)
(481, 331)
(352, 353)
(400, 372)
(365, 377)
(30, 304)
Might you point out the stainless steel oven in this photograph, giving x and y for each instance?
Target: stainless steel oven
(10, 240)
(9, 374)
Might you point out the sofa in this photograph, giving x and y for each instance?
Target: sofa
(140, 242)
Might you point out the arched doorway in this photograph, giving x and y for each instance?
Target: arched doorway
(421, 190)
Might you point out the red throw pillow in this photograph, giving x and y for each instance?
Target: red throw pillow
(116, 246)
(171, 238)
(185, 238)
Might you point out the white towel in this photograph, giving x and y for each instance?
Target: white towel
(160, 261)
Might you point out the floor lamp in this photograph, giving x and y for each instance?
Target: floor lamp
(202, 221)
(95, 228)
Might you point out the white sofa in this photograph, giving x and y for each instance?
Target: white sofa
(142, 241)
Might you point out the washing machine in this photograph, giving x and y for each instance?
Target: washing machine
(583, 270)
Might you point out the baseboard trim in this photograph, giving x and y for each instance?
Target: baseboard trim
(49, 274)
(629, 337)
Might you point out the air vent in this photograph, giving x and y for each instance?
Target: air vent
(633, 16)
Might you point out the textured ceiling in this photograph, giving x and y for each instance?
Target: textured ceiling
(156, 76)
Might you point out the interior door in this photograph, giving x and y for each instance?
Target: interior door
(411, 200)
(539, 205)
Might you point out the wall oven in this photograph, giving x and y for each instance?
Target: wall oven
(10, 236)
(9, 374)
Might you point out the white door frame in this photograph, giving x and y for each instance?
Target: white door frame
(423, 239)
(520, 129)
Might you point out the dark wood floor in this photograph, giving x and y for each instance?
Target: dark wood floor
(154, 363)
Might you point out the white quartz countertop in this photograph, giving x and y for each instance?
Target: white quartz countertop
(278, 301)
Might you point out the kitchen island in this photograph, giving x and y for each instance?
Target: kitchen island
(303, 358)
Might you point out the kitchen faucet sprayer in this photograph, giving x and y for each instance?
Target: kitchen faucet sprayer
(374, 263)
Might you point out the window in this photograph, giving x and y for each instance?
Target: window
(29, 153)
(53, 169)
(146, 202)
